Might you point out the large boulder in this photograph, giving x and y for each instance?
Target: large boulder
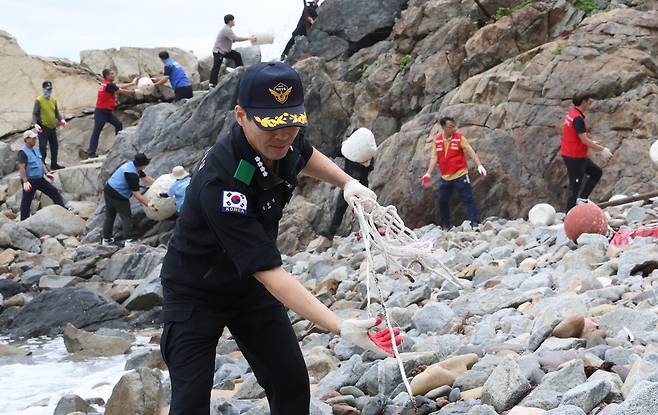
(133, 262)
(82, 180)
(14, 236)
(51, 311)
(138, 392)
(128, 62)
(147, 294)
(54, 220)
(74, 86)
(85, 344)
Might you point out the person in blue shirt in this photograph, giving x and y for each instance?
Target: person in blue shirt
(32, 170)
(175, 74)
(120, 187)
(177, 188)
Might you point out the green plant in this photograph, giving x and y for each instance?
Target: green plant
(588, 6)
(362, 69)
(405, 60)
(557, 51)
(520, 66)
(504, 11)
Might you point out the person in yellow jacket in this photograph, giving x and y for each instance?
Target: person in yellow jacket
(46, 119)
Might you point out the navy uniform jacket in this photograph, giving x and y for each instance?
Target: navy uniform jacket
(229, 223)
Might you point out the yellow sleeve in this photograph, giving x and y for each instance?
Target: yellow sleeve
(464, 144)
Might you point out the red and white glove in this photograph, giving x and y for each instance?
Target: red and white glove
(38, 128)
(425, 180)
(358, 332)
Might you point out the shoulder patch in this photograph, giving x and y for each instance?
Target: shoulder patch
(234, 202)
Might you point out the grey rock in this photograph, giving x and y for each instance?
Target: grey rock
(472, 379)
(555, 343)
(72, 403)
(147, 358)
(137, 392)
(548, 394)
(50, 311)
(482, 410)
(565, 410)
(454, 394)
(433, 317)
(33, 276)
(618, 355)
(506, 386)
(471, 304)
(347, 374)
(615, 383)
(351, 390)
(9, 288)
(249, 389)
(226, 374)
(147, 294)
(317, 407)
(58, 281)
(631, 259)
(641, 400)
(439, 392)
(17, 237)
(641, 369)
(133, 262)
(634, 320)
(375, 405)
(54, 220)
(383, 377)
(587, 395)
(222, 406)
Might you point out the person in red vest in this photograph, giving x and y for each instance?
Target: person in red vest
(449, 152)
(105, 105)
(576, 142)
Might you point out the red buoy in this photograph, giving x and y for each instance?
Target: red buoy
(585, 218)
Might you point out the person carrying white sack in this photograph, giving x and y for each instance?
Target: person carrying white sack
(177, 189)
(359, 151)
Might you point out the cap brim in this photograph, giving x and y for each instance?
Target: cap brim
(269, 119)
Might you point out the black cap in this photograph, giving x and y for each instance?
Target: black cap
(272, 93)
(141, 159)
(47, 85)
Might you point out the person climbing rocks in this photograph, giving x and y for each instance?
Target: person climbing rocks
(309, 14)
(178, 187)
(222, 267)
(358, 151)
(119, 188)
(175, 74)
(32, 171)
(46, 119)
(223, 48)
(576, 142)
(106, 102)
(449, 152)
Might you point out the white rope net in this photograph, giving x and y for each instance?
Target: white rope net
(383, 230)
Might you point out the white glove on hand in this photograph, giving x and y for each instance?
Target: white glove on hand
(38, 128)
(62, 123)
(482, 170)
(27, 187)
(606, 153)
(357, 332)
(354, 188)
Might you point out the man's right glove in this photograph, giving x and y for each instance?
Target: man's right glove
(425, 180)
(606, 153)
(38, 128)
(354, 188)
(380, 342)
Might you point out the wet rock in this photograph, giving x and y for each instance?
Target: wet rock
(50, 311)
(85, 344)
(72, 403)
(151, 359)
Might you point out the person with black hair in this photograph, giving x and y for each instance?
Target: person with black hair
(106, 102)
(120, 187)
(576, 142)
(175, 74)
(309, 14)
(449, 153)
(224, 48)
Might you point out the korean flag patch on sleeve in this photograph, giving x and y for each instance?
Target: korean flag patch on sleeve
(234, 202)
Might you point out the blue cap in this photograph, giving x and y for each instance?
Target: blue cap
(272, 93)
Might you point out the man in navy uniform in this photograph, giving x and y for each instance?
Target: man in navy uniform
(223, 268)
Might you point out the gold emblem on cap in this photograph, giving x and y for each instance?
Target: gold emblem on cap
(281, 92)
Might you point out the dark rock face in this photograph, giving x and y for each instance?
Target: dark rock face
(50, 311)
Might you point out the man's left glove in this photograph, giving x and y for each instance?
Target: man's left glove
(607, 154)
(380, 342)
(482, 170)
(62, 123)
(354, 188)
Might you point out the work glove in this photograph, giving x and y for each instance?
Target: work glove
(27, 187)
(38, 128)
(482, 170)
(606, 153)
(355, 189)
(62, 123)
(50, 177)
(425, 180)
(358, 332)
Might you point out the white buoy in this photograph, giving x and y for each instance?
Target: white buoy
(542, 214)
(360, 146)
(145, 85)
(166, 206)
(263, 39)
(653, 153)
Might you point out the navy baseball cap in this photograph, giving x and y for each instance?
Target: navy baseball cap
(47, 85)
(273, 95)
